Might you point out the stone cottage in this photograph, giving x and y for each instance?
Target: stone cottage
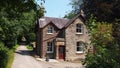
(61, 38)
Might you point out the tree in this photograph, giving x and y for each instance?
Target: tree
(76, 5)
(103, 10)
(17, 18)
(106, 51)
(70, 15)
(27, 25)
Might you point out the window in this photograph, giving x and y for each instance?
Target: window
(80, 47)
(50, 29)
(79, 28)
(50, 47)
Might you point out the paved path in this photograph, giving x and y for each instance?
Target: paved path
(23, 59)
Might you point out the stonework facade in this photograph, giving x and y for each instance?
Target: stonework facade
(66, 40)
(72, 37)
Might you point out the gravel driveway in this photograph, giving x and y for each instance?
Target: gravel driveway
(23, 59)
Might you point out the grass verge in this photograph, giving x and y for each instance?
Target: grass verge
(11, 58)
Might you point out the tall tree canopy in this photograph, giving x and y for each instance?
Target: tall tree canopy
(17, 18)
(104, 10)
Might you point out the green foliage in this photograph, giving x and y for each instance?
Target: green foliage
(29, 47)
(104, 10)
(4, 55)
(17, 18)
(10, 32)
(27, 26)
(116, 32)
(76, 5)
(106, 51)
(40, 12)
(18, 6)
(15, 47)
(11, 29)
(31, 37)
(69, 15)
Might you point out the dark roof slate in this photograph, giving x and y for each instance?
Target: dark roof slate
(58, 22)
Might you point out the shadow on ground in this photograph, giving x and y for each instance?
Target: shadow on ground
(25, 52)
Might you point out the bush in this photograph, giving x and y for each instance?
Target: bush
(29, 47)
(15, 47)
(30, 37)
(4, 55)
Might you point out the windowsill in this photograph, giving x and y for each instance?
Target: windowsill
(79, 52)
(79, 33)
(50, 52)
(49, 33)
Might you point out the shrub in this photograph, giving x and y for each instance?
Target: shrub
(29, 47)
(4, 55)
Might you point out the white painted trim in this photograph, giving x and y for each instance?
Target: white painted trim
(79, 33)
(49, 51)
(49, 33)
(80, 52)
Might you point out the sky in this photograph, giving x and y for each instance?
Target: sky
(57, 8)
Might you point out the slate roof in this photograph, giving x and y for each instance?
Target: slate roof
(58, 22)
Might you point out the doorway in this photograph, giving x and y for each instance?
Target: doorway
(61, 52)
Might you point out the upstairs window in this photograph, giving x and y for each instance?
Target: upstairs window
(50, 29)
(79, 28)
(80, 47)
(49, 47)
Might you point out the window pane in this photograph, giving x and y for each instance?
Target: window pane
(79, 28)
(50, 29)
(50, 47)
(80, 46)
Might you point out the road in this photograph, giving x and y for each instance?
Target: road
(23, 59)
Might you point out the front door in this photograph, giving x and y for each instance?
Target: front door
(61, 52)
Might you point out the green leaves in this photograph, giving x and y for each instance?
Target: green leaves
(17, 18)
(104, 10)
(14, 23)
(105, 48)
(69, 15)
(4, 53)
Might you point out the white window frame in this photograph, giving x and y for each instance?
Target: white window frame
(79, 28)
(50, 29)
(80, 45)
(50, 45)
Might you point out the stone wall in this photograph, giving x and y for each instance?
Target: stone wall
(49, 38)
(72, 37)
